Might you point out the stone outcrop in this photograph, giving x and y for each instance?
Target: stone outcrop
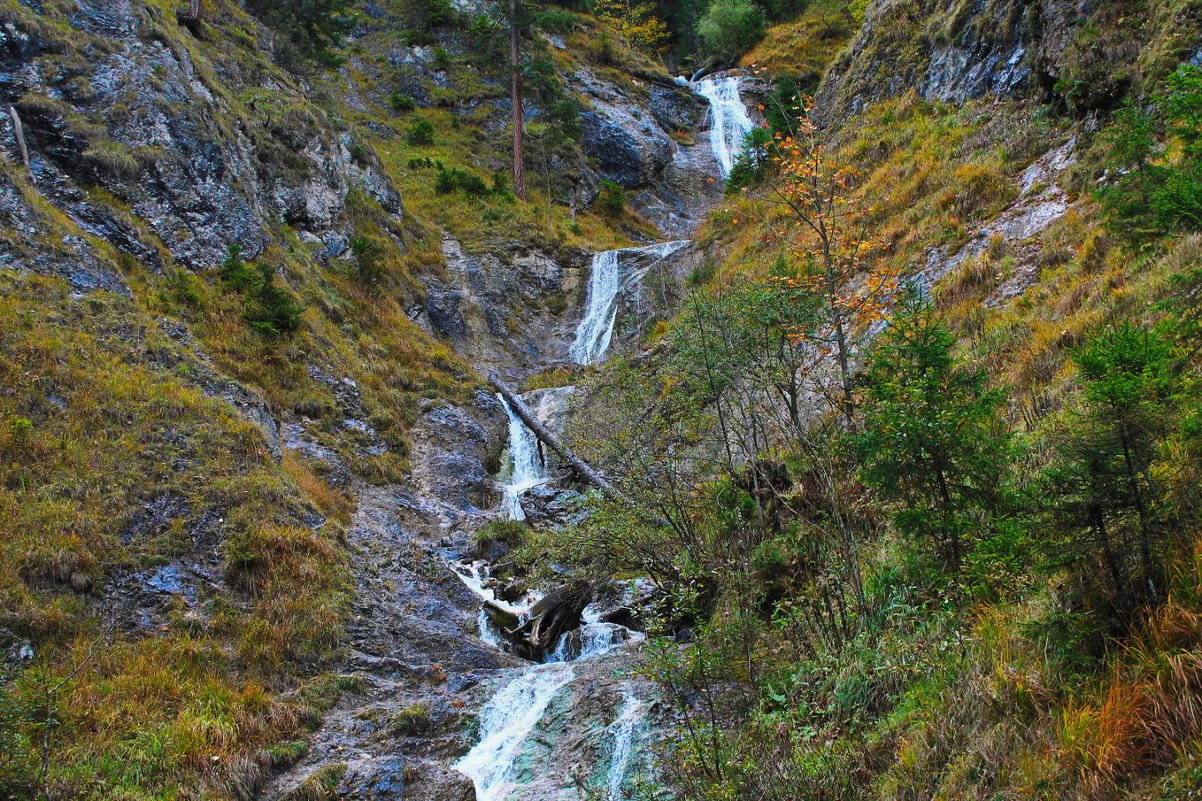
(951, 51)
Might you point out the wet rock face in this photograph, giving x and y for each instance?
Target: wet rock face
(506, 310)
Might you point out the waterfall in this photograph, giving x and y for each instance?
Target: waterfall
(730, 122)
(526, 468)
(623, 730)
(506, 721)
(509, 721)
(606, 281)
(601, 309)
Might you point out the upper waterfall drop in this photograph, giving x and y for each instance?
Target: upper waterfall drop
(730, 121)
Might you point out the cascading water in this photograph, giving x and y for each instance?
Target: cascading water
(526, 466)
(596, 329)
(511, 719)
(623, 730)
(607, 279)
(730, 122)
(506, 721)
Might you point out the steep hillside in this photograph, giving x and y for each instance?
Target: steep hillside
(771, 447)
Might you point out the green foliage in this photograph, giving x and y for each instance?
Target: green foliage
(612, 197)
(730, 28)
(932, 441)
(412, 721)
(428, 14)
(784, 108)
(751, 162)
(399, 101)
(421, 134)
(17, 760)
(1108, 502)
(497, 538)
(312, 28)
(1159, 188)
(636, 20)
(441, 60)
(183, 289)
(270, 309)
(556, 20)
(453, 179)
(369, 259)
(237, 274)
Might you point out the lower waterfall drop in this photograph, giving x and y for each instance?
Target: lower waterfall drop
(506, 722)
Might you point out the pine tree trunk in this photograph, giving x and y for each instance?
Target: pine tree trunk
(519, 168)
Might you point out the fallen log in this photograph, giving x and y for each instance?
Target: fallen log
(545, 435)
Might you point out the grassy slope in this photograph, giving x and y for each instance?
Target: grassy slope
(978, 706)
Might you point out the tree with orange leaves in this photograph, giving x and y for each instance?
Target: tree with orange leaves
(825, 229)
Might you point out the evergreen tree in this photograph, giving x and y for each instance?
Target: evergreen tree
(932, 440)
(1108, 499)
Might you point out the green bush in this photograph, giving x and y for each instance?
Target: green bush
(17, 763)
(272, 310)
(556, 20)
(411, 721)
(421, 134)
(237, 274)
(612, 198)
(730, 28)
(453, 179)
(369, 259)
(442, 59)
(433, 13)
(1157, 192)
(752, 160)
(312, 28)
(401, 101)
(269, 309)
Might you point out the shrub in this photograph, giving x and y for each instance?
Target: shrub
(442, 59)
(612, 198)
(434, 13)
(498, 537)
(421, 134)
(556, 20)
(453, 179)
(500, 183)
(272, 311)
(237, 274)
(749, 166)
(1156, 194)
(730, 28)
(181, 287)
(411, 721)
(401, 101)
(311, 27)
(369, 258)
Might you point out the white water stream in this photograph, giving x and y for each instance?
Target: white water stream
(730, 121)
(512, 714)
(607, 279)
(526, 468)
